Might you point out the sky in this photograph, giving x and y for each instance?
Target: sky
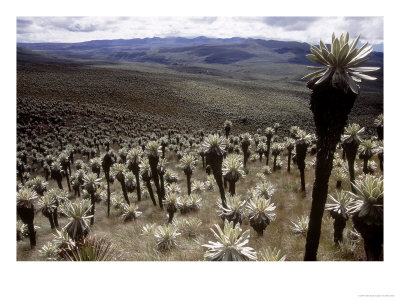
(303, 29)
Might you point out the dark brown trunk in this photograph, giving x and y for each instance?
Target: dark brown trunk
(289, 159)
(215, 161)
(372, 235)
(138, 190)
(274, 163)
(338, 184)
(338, 225)
(50, 217)
(107, 174)
(188, 184)
(379, 130)
(124, 191)
(153, 165)
(150, 189)
(350, 149)
(55, 217)
(59, 183)
(330, 108)
(232, 185)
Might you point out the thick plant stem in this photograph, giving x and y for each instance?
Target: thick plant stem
(289, 160)
(330, 107)
(215, 161)
(338, 226)
(108, 194)
(232, 185)
(32, 234)
(373, 237)
(50, 217)
(124, 192)
(188, 184)
(138, 190)
(153, 160)
(150, 189)
(351, 151)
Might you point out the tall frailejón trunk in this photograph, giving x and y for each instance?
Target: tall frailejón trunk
(351, 151)
(27, 215)
(330, 108)
(214, 160)
(153, 160)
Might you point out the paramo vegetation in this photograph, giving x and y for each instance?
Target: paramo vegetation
(101, 182)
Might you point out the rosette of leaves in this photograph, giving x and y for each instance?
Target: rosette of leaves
(173, 188)
(47, 205)
(191, 226)
(230, 245)
(38, 184)
(77, 213)
(367, 149)
(235, 211)
(171, 204)
(300, 225)
(340, 66)
(265, 189)
(340, 209)
(166, 237)
(271, 254)
(117, 200)
(93, 248)
(170, 176)
(194, 202)
(26, 211)
(130, 212)
(50, 251)
(198, 186)
(340, 175)
(260, 212)
(233, 170)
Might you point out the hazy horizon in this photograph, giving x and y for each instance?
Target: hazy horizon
(300, 29)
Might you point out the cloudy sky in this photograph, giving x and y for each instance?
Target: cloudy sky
(304, 29)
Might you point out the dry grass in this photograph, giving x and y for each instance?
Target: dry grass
(290, 203)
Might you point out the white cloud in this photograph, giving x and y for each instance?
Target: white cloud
(303, 29)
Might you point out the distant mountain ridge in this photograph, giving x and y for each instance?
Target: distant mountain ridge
(179, 51)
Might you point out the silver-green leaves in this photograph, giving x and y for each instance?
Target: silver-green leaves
(340, 65)
(230, 244)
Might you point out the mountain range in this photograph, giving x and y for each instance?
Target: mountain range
(174, 51)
